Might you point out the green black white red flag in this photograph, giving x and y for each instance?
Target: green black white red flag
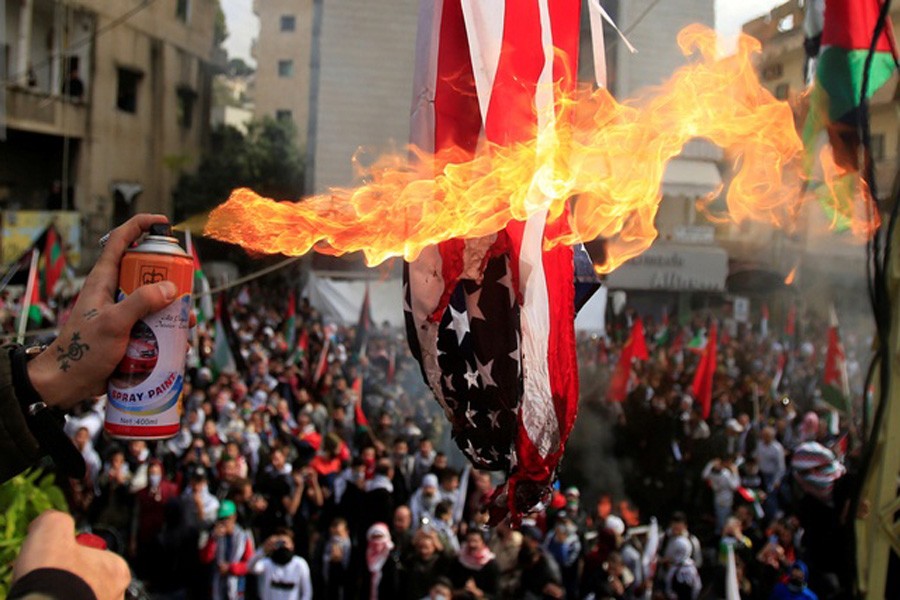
(836, 384)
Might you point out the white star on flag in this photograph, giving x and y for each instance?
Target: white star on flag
(459, 324)
(472, 304)
(485, 371)
(471, 377)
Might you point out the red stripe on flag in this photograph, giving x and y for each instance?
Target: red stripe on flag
(849, 24)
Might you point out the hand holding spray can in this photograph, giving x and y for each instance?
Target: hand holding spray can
(144, 392)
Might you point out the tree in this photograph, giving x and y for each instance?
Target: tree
(238, 68)
(266, 160)
(220, 28)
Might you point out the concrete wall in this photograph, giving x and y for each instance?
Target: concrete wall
(364, 88)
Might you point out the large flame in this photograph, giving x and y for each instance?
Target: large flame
(605, 158)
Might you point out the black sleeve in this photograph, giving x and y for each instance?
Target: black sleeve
(18, 448)
(51, 584)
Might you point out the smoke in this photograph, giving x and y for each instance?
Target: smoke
(590, 461)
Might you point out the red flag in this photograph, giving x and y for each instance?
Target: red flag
(54, 261)
(706, 369)
(790, 327)
(358, 414)
(391, 365)
(322, 362)
(634, 348)
(836, 384)
(639, 340)
(522, 52)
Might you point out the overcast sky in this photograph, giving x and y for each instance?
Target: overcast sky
(243, 25)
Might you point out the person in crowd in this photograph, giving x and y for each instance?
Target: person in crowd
(200, 504)
(425, 500)
(474, 573)
(281, 574)
(796, 586)
(428, 563)
(382, 565)
(148, 517)
(540, 575)
(770, 458)
(678, 529)
(506, 544)
(229, 550)
(682, 578)
(402, 531)
(564, 545)
(336, 560)
(722, 476)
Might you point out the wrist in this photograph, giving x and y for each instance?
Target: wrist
(43, 380)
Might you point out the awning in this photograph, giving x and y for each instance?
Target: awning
(674, 267)
(690, 177)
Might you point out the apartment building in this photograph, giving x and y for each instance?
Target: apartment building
(283, 54)
(826, 261)
(104, 104)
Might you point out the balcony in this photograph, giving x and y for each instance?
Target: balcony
(41, 113)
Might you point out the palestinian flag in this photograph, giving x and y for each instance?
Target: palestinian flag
(834, 112)
(697, 343)
(54, 261)
(35, 312)
(664, 332)
(224, 358)
(205, 309)
(362, 423)
(290, 322)
(363, 326)
(300, 354)
(836, 384)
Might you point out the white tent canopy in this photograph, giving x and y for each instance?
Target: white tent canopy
(340, 300)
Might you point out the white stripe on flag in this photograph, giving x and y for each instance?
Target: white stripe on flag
(538, 413)
(484, 27)
(425, 75)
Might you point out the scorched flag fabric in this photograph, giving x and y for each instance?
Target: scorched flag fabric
(490, 320)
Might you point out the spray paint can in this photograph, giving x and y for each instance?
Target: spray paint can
(144, 392)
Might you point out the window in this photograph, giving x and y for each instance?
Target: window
(288, 22)
(771, 72)
(186, 100)
(283, 115)
(285, 68)
(127, 89)
(183, 10)
(782, 90)
(877, 144)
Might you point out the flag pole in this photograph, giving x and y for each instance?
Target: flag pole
(26, 300)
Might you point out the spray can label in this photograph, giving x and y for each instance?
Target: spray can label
(144, 392)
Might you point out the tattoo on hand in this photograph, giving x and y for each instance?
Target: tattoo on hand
(91, 314)
(74, 353)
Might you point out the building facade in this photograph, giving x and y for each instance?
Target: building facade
(828, 264)
(283, 55)
(105, 104)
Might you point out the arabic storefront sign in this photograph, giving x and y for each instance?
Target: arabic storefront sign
(675, 268)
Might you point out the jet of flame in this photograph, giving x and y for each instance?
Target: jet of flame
(605, 158)
(789, 280)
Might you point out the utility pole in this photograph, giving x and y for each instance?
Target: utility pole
(877, 523)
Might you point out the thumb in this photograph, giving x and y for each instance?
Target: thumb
(146, 300)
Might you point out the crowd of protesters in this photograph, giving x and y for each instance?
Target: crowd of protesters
(278, 487)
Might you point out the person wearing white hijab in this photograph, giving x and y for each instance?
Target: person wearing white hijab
(683, 580)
